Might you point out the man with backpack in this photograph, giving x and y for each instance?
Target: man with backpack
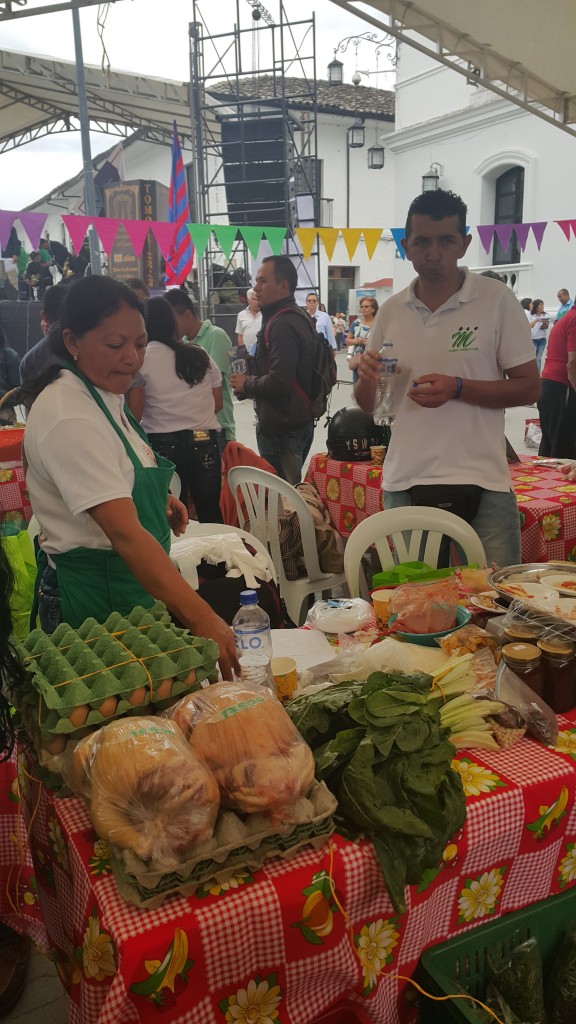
(287, 381)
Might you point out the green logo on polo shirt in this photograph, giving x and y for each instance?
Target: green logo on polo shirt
(463, 339)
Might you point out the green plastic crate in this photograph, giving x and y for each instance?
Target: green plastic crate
(461, 963)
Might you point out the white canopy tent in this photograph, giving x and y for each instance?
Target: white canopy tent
(522, 50)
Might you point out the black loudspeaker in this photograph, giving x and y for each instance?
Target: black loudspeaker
(20, 322)
(258, 163)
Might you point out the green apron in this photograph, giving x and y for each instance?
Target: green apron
(95, 582)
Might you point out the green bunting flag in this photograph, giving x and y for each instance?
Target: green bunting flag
(225, 236)
(275, 238)
(200, 233)
(252, 237)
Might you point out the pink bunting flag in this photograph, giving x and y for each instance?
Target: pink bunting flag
(7, 218)
(33, 224)
(538, 229)
(521, 231)
(76, 227)
(164, 234)
(137, 231)
(565, 225)
(485, 232)
(504, 235)
(107, 228)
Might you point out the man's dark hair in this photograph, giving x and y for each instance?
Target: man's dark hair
(52, 301)
(140, 285)
(493, 275)
(438, 204)
(284, 270)
(180, 300)
(315, 294)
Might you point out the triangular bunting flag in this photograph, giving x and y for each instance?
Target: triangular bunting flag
(225, 236)
(200, 233)
(329, 237)
(252, 237)
(565, 225)
(307, 238)
(76, 227)
(351, 238)
(163, 232)
(504, 235)
(486, 234)
(521, 231)
(7, 218)
(371, 238)
(538, 229)
(275, 237)
(107, 228)
(398, 234)
(33, 224)
(137, 231)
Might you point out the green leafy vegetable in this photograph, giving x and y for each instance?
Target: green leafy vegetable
(382, 749)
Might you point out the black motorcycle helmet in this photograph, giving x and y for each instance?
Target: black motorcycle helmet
(351, 432)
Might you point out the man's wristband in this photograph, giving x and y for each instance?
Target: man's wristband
(458, 391)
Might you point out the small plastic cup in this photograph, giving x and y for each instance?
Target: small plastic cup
(378, 454)
(380, 602)
(285, 677)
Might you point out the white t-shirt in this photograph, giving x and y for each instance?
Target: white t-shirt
(247, 326)
(170, 403)
(480, 332)
(77, 461)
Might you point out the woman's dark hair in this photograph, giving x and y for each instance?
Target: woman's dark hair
(192, 362)
(86, 303)
(526, 303)
(373, 302)
(11, 669)
(536, 303)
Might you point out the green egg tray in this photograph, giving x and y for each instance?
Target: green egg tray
(79, 679)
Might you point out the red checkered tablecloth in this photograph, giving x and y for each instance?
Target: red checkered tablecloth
(15, 507)
(274, 941)
(352, 491)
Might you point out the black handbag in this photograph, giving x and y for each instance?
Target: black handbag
(462, 500)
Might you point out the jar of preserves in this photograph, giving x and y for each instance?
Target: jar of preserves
(525, 661)
(559, 673)
(523, 632)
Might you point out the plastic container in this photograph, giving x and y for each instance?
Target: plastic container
(461, 963)
(429, 639)
(253, 640)
(383, 414)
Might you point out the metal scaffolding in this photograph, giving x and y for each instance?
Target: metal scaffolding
(254, 125)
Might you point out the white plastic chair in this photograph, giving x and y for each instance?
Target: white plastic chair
(195, 529)
(262, 495)
(423, 524)
(175, 485)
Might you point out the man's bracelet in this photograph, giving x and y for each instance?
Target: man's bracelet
(458, 391)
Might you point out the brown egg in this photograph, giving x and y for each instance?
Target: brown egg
(138, 696)
(56, 744)
(163, 689)
(79, 715)
(189, 679)
(108, 707)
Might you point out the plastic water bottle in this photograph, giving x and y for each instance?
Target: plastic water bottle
(383, 414)
(253, 640)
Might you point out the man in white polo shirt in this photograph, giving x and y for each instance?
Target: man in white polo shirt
(464, 355)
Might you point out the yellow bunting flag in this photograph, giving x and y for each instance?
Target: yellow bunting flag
(329, 237)
(351, 238)
(371, 238)
(307, 238)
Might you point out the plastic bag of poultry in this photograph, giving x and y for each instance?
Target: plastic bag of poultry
(243, 734)
(424, 607)
(146, 790)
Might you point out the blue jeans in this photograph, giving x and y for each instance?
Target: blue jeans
(539, 346)
(497, 523)
(286, 452)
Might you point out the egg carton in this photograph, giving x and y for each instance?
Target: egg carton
(238, 842)
(79, 679)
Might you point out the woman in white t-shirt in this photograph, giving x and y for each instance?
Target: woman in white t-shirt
(182, 394)
(98, 490)
(539, 323)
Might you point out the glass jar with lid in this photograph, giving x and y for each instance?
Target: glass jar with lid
(525, 661)
(522, 632)
(559, 673)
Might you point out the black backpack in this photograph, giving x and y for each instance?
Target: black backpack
(323, 364)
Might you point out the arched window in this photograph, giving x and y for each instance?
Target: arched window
(508, 204)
